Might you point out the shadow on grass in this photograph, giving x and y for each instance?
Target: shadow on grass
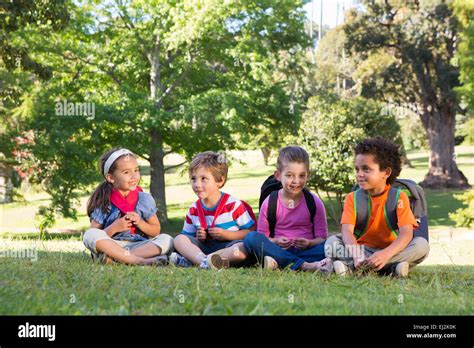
(422, 162)
(440, 204)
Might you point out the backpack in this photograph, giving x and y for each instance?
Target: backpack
(222, 203)
(418, 206)
(270, 187)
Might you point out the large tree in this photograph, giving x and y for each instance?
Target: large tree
(420, 39)
(19, 72)
(464, 10)
(164, 77)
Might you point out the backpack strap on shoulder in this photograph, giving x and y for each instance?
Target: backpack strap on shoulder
(362, 209)
(271, 213)
(311, 206)
(390, 209)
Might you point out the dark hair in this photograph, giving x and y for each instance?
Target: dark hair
(101, 196)
(215, 162)
(292, 154)
(385, 152)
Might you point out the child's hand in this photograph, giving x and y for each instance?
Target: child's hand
(360, 261)
(218, 233)
(121, 224)
(301, 243)
(201, 234)
(133, 217)
(378, 260)
(283, 242)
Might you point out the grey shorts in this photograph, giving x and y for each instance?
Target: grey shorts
(93, 235)
(211, 246)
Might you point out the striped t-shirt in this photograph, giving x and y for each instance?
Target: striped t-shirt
(233, 217)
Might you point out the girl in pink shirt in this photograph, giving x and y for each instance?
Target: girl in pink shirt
(297, 242)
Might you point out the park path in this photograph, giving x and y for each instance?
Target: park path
(451, 246)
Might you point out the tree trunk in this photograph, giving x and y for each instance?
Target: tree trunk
(405, 161)
(157, 166)
(443, 171)
(6, 186)
(157, 175)
(266, 152)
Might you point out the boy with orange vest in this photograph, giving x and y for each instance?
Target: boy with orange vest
(377, 245)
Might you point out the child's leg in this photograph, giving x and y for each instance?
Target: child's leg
(335, 248)
(316, 253)
(235, 254)
(260, 246)
(97, 241)
(414, 253)
(120, 254)
(188, 249)
(159, 245)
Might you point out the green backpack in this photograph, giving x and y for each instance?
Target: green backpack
(418, 206)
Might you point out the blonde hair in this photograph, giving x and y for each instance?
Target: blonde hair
(214, 162)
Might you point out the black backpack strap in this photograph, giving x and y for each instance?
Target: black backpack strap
(311, 206)
(272, 212)
(271, 184)
(361, 211)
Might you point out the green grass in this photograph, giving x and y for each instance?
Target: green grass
(68, 283)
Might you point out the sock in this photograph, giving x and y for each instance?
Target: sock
(203, 263)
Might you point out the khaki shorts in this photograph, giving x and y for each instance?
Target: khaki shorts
(93, 235)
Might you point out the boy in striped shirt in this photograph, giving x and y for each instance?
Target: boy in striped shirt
(216, 223)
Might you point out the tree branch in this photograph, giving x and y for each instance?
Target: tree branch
(110, 72)
(175, 165)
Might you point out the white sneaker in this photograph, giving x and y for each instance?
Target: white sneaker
(178, 260)
(341, 268)
(326, 265)
(402, 269)
(270, 263)
(216, 262)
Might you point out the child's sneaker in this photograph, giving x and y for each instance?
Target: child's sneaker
(326, 265)
(178, 260)
(402, 269)
(341, 268)
(101, 258)
(215, 262)
(161, 260)
(270, 263)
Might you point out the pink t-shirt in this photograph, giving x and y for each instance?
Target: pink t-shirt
(294, 222)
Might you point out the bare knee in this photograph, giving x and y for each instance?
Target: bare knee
(181, 240)
(239, 252)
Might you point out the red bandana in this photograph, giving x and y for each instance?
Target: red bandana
(126, 204)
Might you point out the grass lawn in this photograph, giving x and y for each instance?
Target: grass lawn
(68, 283)
(63, 280)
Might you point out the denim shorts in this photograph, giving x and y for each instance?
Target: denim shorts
(210, 246)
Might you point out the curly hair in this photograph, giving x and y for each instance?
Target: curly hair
(385, 152)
